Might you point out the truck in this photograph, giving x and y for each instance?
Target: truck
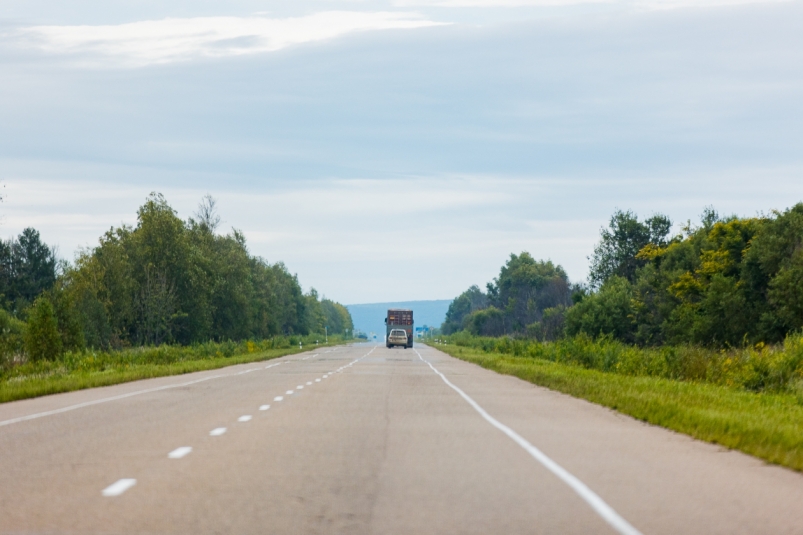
(399, 328)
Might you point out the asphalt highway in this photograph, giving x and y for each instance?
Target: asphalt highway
(363, 439)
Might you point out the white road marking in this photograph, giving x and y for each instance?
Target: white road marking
(317, 380)
(216, 432)
(264, 407)
(115, 398)
(289, 393)
(309, 383)
(300, 387)
(244, 418)
(119, 487)
(178, 453)
(278, 398)
(589, 496)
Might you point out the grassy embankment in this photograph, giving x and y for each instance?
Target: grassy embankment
(88, 369)
(749, 399)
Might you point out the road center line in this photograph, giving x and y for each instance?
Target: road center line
(178, 453)
(119, 487)
(264, 407)
(244, 418)
(121, 396)
(216, 432)
(589, 496)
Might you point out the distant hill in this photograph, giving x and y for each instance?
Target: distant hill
(370, 317)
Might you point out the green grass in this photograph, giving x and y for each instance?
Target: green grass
(766, 425)
(94, 369)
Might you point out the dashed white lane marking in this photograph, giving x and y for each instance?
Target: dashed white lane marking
(178, 453)
(317, 380)
(119, 487)
(288, 393)
(216, 432)
(300, 387)
(121, 396)
(309, 383)
(589, 496)
(278, 398)
(264, 407)
(244, 418)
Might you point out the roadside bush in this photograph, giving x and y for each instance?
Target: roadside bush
(12, 337)
(759, 368)
(42, 338)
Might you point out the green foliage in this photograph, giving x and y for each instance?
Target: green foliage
(526, 287)
(12, 338)
(336, 317)
(169, 281)
(516, 299)
(27, 268)
(729, 282)
(617, 252)
(42, 338)
(757, 368)
(469, 301)
(163, 281)
(486, 322)
(606, 312)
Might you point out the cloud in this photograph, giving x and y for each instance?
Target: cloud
(175, 39)
(638, 4)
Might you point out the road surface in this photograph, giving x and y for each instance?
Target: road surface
(363, 439)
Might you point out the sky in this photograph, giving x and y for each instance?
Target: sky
(398, 150)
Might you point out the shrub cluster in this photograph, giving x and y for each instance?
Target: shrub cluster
(756, 368)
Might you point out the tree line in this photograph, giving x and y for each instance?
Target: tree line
(724, 282)
(162, 281)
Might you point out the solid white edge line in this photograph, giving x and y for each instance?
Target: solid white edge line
(115, 398)
(119, 487)
(589, 496)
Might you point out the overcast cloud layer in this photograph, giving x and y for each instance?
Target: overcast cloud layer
(398, 150)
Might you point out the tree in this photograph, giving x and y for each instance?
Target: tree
(27, 268)
(606, 312)
(620, 243)
(42, 338)
(469, 301)
(526, 287)
(207, 215)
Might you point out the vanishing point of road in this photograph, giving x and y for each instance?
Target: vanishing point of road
(363, 439)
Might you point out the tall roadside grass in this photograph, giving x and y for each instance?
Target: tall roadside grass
(747, 399)
(757, 368)
(88, 369)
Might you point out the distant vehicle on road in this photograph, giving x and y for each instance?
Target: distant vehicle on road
(399, 319)
(397, 337)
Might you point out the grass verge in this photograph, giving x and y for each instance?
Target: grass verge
(766, 425)
(90, 370)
